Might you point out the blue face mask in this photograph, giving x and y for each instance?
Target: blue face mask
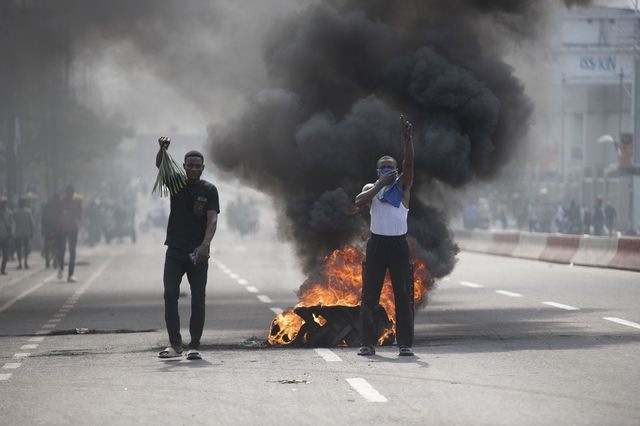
(384, 170)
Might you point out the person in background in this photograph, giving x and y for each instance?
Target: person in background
(69, 212)
(598, 216)
(23, 232)
(610, 216)
(49, 229)
(6, 232)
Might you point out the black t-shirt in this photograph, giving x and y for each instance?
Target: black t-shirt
(188, 217)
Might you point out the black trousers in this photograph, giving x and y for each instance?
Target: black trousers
(384, 253)
(62, 239)
(22, 249)
(176, 264)
(4, 247)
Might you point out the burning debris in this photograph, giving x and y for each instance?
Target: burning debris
(329, 308)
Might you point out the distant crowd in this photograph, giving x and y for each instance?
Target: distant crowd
(55, 225)
(542, 216)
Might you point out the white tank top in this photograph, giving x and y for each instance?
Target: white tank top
(388, 220)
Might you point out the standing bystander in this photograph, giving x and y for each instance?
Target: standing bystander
(23, 232)
(6, 232)
(69, 212)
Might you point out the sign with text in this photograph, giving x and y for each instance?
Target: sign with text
(596, 66)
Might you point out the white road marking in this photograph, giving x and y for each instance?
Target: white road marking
(62, 315)
(67, 306)
(276, 311)
(25, 293)
(64, 310)
(4, 377)
(49, 325)
(366, 390)
(43, 332)
(12, 365)
(252, 289)
(561, 306)
(472, 285)
(328, 355)
(622, 321)
(508, 293)
(36, 339)
(22, 355)
(264, 298)
(25, 347)
(234, 276)
(242, 281)
(54, 320)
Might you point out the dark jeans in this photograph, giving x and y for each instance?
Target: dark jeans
(387, 253)
(49, 250)
(22, 248)
(72, 238)
(176, 264)
(4, 247)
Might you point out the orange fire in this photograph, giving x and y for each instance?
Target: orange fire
(340, 284)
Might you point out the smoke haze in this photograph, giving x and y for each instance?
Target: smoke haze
(341, 72)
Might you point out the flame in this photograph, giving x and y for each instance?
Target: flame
(340, 284)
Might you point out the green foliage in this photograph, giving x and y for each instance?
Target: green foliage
(171, 178)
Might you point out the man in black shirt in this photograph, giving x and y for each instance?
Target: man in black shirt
(192, 225)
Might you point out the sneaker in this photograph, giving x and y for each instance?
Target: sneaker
(72, 279)
(60, 274)
(405, 350)
(367, 350)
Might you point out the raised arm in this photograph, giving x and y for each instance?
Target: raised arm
(164, 142)
(406, 180)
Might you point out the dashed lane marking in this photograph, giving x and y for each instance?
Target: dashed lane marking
(470, 284)
(30, 346)
(328, 355)
(242, 281)
(264, 298)
(252, 289)
(25, 293)
(233, 276)
(276, 311)
(36, 339)
(622, 322)
(60, 315)
(366, 390)
(49, 325)
(561, 306)
(22, 355)
(5, 376)
(12, 365)
(508, 293)
(54, 320)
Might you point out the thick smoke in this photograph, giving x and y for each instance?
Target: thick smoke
(341, 72)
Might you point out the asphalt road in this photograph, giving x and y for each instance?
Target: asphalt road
(502, 341)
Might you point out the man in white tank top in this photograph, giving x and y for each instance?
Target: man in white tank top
(387, 248)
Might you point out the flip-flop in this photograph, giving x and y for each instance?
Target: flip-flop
(366, 351)
(169, 352)
(193, 355)
(405, 351)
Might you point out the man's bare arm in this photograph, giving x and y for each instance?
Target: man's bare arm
(406, 179)
(164, 145)
(370, 190)
(202, 252)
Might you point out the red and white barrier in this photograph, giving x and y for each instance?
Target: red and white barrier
(607, 252)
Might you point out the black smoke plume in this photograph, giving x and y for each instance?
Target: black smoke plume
(341, 72)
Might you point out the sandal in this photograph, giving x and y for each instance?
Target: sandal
(405, 350)
(366, 350)
(193, 354)
(170, 352)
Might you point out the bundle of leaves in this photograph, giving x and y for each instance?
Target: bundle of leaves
(171, 177)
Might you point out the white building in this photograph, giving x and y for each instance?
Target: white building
(595, 61)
